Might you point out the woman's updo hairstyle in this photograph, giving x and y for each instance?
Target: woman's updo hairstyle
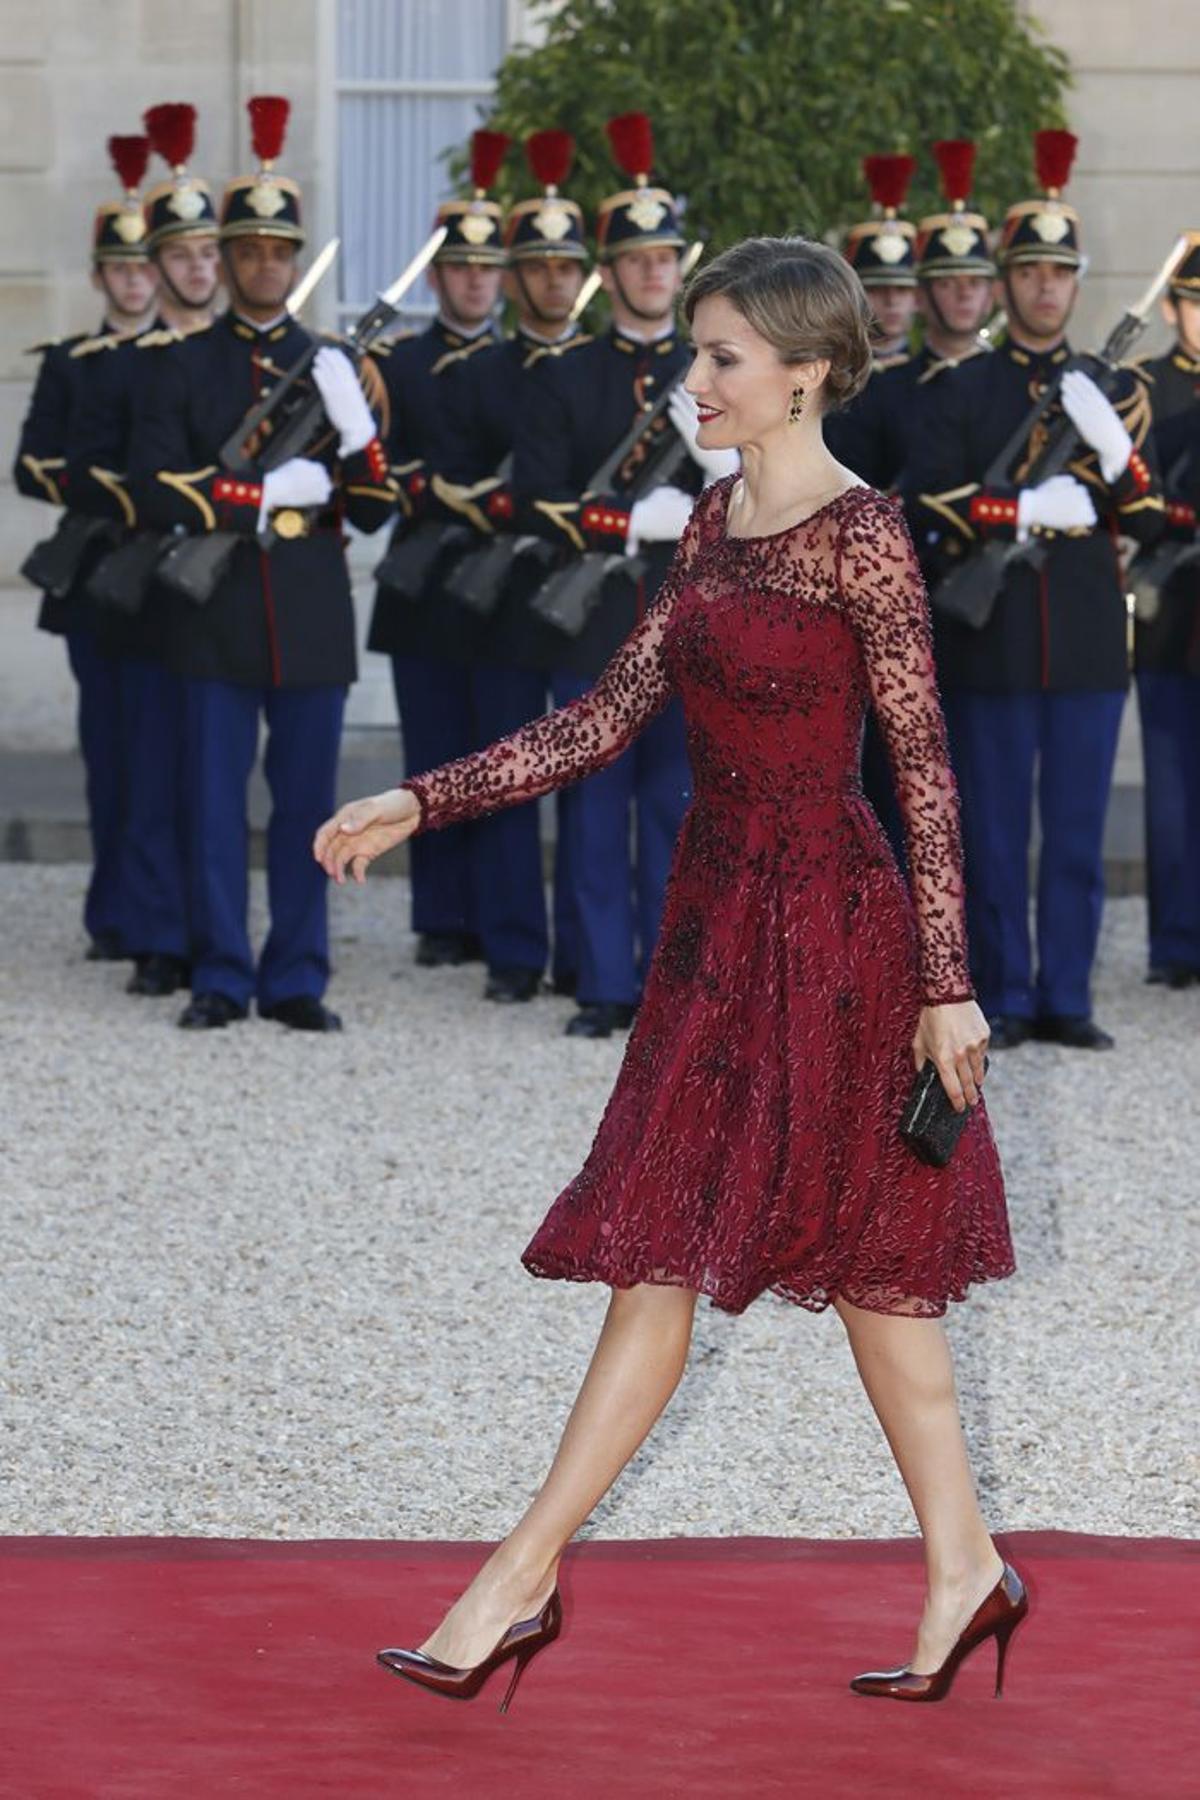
(804, 299)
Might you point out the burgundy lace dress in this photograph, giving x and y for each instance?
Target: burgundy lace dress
(751, 1140)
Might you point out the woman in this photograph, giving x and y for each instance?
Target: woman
(751, 1141)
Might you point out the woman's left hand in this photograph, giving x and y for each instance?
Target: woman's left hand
(954, 1038)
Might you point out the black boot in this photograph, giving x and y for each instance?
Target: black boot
(209, 1012)
(158, 975)
(1074, 1031)
(303, 1012)
(106, 946)
(1173, 975)
(599, 1019)
(1008, 1030)
(511, 986)
(446, 949)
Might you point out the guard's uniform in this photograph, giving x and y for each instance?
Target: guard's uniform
(577, 409)
(513, 652)
(871, 435)
(1041, 686)
(275, 640)
(40, 472)
(431, 643)
(48, 440)
(1167, 652)
(150, 698)
(151, 695)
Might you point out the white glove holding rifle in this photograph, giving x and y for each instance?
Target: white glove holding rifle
(686, 420)
(299, 482)
(343, 399)
(1059, 504)
(1098, 423)
(658, 519)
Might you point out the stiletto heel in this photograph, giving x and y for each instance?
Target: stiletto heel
(522, 1641)
(997, 1616)
(525, 1656)
(1003, 1633)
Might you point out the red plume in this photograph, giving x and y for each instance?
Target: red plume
(172, 132)
(550, 155)
(1053, 154)
(888, 178)
(955, 158)
(487, 153)
(129, 156)
(632, 141)
(268, 124)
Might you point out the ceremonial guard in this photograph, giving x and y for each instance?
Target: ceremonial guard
(1167, 647)
(431, 643)
(181, 238)
(123, 275)
(955, 273)
(578, 409)
(273, 635)
(482, 398)
(1037, 689)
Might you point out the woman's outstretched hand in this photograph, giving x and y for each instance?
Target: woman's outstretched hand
(363, 830)
(954, 1038)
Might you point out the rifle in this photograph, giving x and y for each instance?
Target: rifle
(53, 565)
(969, 593)
(646, 457)
(479, 578)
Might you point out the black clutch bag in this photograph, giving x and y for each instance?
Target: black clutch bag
(929, 1124)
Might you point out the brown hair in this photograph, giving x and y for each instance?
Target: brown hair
(804, 298)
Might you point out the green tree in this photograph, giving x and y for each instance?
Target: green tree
(764, 109)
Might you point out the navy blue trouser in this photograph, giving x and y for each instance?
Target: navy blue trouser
(152, 714)
(101, 745)
(619, 898)
(1000, 744)
(437, 723)
(1169, 705)
(510, 896)
(304, 728)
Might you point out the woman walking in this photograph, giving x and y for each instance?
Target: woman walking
(751, 1141)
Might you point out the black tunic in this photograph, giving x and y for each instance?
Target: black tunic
(48, 434)
(483, 398)
(1170, 641)
(1063, 628)
(414, 371)
(279, 618)
(576, 409)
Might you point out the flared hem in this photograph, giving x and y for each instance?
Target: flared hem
(816, 1298)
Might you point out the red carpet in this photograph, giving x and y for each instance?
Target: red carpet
(711, 1669)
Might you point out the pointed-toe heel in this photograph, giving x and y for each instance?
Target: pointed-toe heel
(521, 1641)
(997, 1616)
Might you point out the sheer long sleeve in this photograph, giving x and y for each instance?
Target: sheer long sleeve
(888, 609)
(578, 739)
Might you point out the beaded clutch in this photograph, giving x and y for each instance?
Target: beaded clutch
(929, 1124)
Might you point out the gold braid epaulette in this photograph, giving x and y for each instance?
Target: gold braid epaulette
(572, 343)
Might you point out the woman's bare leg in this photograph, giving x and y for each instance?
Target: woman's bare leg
(906, 1368)
(636, 1366)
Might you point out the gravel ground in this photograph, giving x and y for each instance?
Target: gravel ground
(262, 1284)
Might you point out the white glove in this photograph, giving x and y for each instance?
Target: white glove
(658, 519)
(685, 418)
(297, 482)
(343, 399)
(1097, 421)
(1059, 504)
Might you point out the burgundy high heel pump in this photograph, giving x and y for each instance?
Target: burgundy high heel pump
(522, 1641)
(998, 1616)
